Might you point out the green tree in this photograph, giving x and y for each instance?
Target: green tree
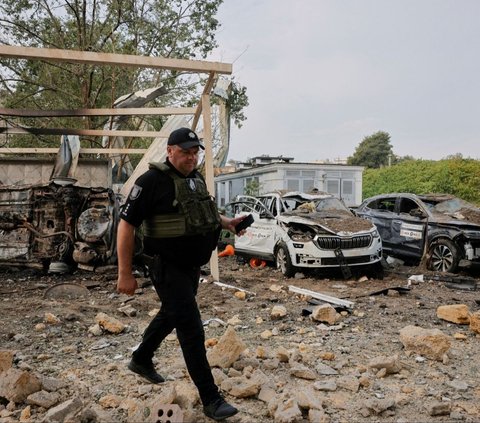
(374, 151)
(183, 29)
(252, 187)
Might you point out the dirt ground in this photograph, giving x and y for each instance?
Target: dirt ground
(92, 366)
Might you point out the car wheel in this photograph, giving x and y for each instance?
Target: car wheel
(284, 262)
(443, 256)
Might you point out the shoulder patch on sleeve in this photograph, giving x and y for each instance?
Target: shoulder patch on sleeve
(135, 192)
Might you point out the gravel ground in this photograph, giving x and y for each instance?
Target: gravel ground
(92, 367)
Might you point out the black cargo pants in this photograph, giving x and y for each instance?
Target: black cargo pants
(177, 287)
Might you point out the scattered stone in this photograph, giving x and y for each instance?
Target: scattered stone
(324, 313)
(128, 310)
(261, 352)
(43, 399)
(378, 406)
(328, 356)
(276, 288)
(475, 322)
(26, 414)
(431, 343)
(227, 351)
(460, 336)
(308, 399)
(283, 354)
(241, 295)
(16, 385)
(234, 321)
(323, 369)
(51, 384)
(95, 330)
(6, 359)
(63, 410)
(318, 416)
(350, 383)
(278, 312)
(267, 393)
(241, 387)
(211, 342)
(325, 385)
(455, 313)
(110, 324)
(303, 372)
(458, 385)
(39, 327)
(266, 334)
(110, 401)
(187, 395)
(287, 412)
(439, 408)
(391, 364)
(51, 319)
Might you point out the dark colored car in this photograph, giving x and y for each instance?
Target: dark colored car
(440, 227)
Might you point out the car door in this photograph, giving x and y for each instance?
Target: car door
(381, 212)
(259, 239)
(408, 227)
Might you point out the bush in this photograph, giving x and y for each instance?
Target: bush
(459, 177)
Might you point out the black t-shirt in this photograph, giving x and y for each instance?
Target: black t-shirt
(154, 193)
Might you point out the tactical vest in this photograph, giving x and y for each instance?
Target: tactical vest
(197, 213)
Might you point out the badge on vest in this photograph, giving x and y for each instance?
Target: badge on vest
(192, 185)
(135, 192)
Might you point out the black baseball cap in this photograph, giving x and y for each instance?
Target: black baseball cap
(185, 138)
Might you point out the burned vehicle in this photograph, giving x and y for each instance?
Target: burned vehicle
(441, 228)
(297, 230)
(57, 227)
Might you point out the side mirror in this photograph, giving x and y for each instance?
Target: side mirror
(266, 215)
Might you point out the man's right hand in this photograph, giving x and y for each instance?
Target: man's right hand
(127, 284)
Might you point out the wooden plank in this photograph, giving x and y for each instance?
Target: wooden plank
(143, 111)
(206, 90)
(324, 297)
(127, 60)
(207, 140)
(54, 150)
(87, 132)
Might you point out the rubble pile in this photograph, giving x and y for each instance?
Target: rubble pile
(314, 348)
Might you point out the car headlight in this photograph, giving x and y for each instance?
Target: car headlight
(297, 237)
(375, 233)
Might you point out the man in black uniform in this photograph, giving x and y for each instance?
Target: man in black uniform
(181, 228)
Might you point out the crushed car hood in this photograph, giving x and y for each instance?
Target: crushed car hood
(337, 223)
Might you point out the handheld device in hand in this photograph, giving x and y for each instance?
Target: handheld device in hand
(244, 224)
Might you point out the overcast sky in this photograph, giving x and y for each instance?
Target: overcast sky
(323, 74)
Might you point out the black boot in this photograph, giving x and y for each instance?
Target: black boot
(219, 409)
(147, 371)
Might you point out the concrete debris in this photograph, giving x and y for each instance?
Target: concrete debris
(455, 313)
(66, 361)
(431, 343)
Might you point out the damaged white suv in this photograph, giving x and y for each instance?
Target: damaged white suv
(296, 230)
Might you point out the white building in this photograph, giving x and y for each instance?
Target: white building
(280, 173)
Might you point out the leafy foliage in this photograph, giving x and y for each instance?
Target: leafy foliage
(252, 187)
(457, 176)
(183, 29)
(373, 152)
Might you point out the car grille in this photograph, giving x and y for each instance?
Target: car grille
(334, 242)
